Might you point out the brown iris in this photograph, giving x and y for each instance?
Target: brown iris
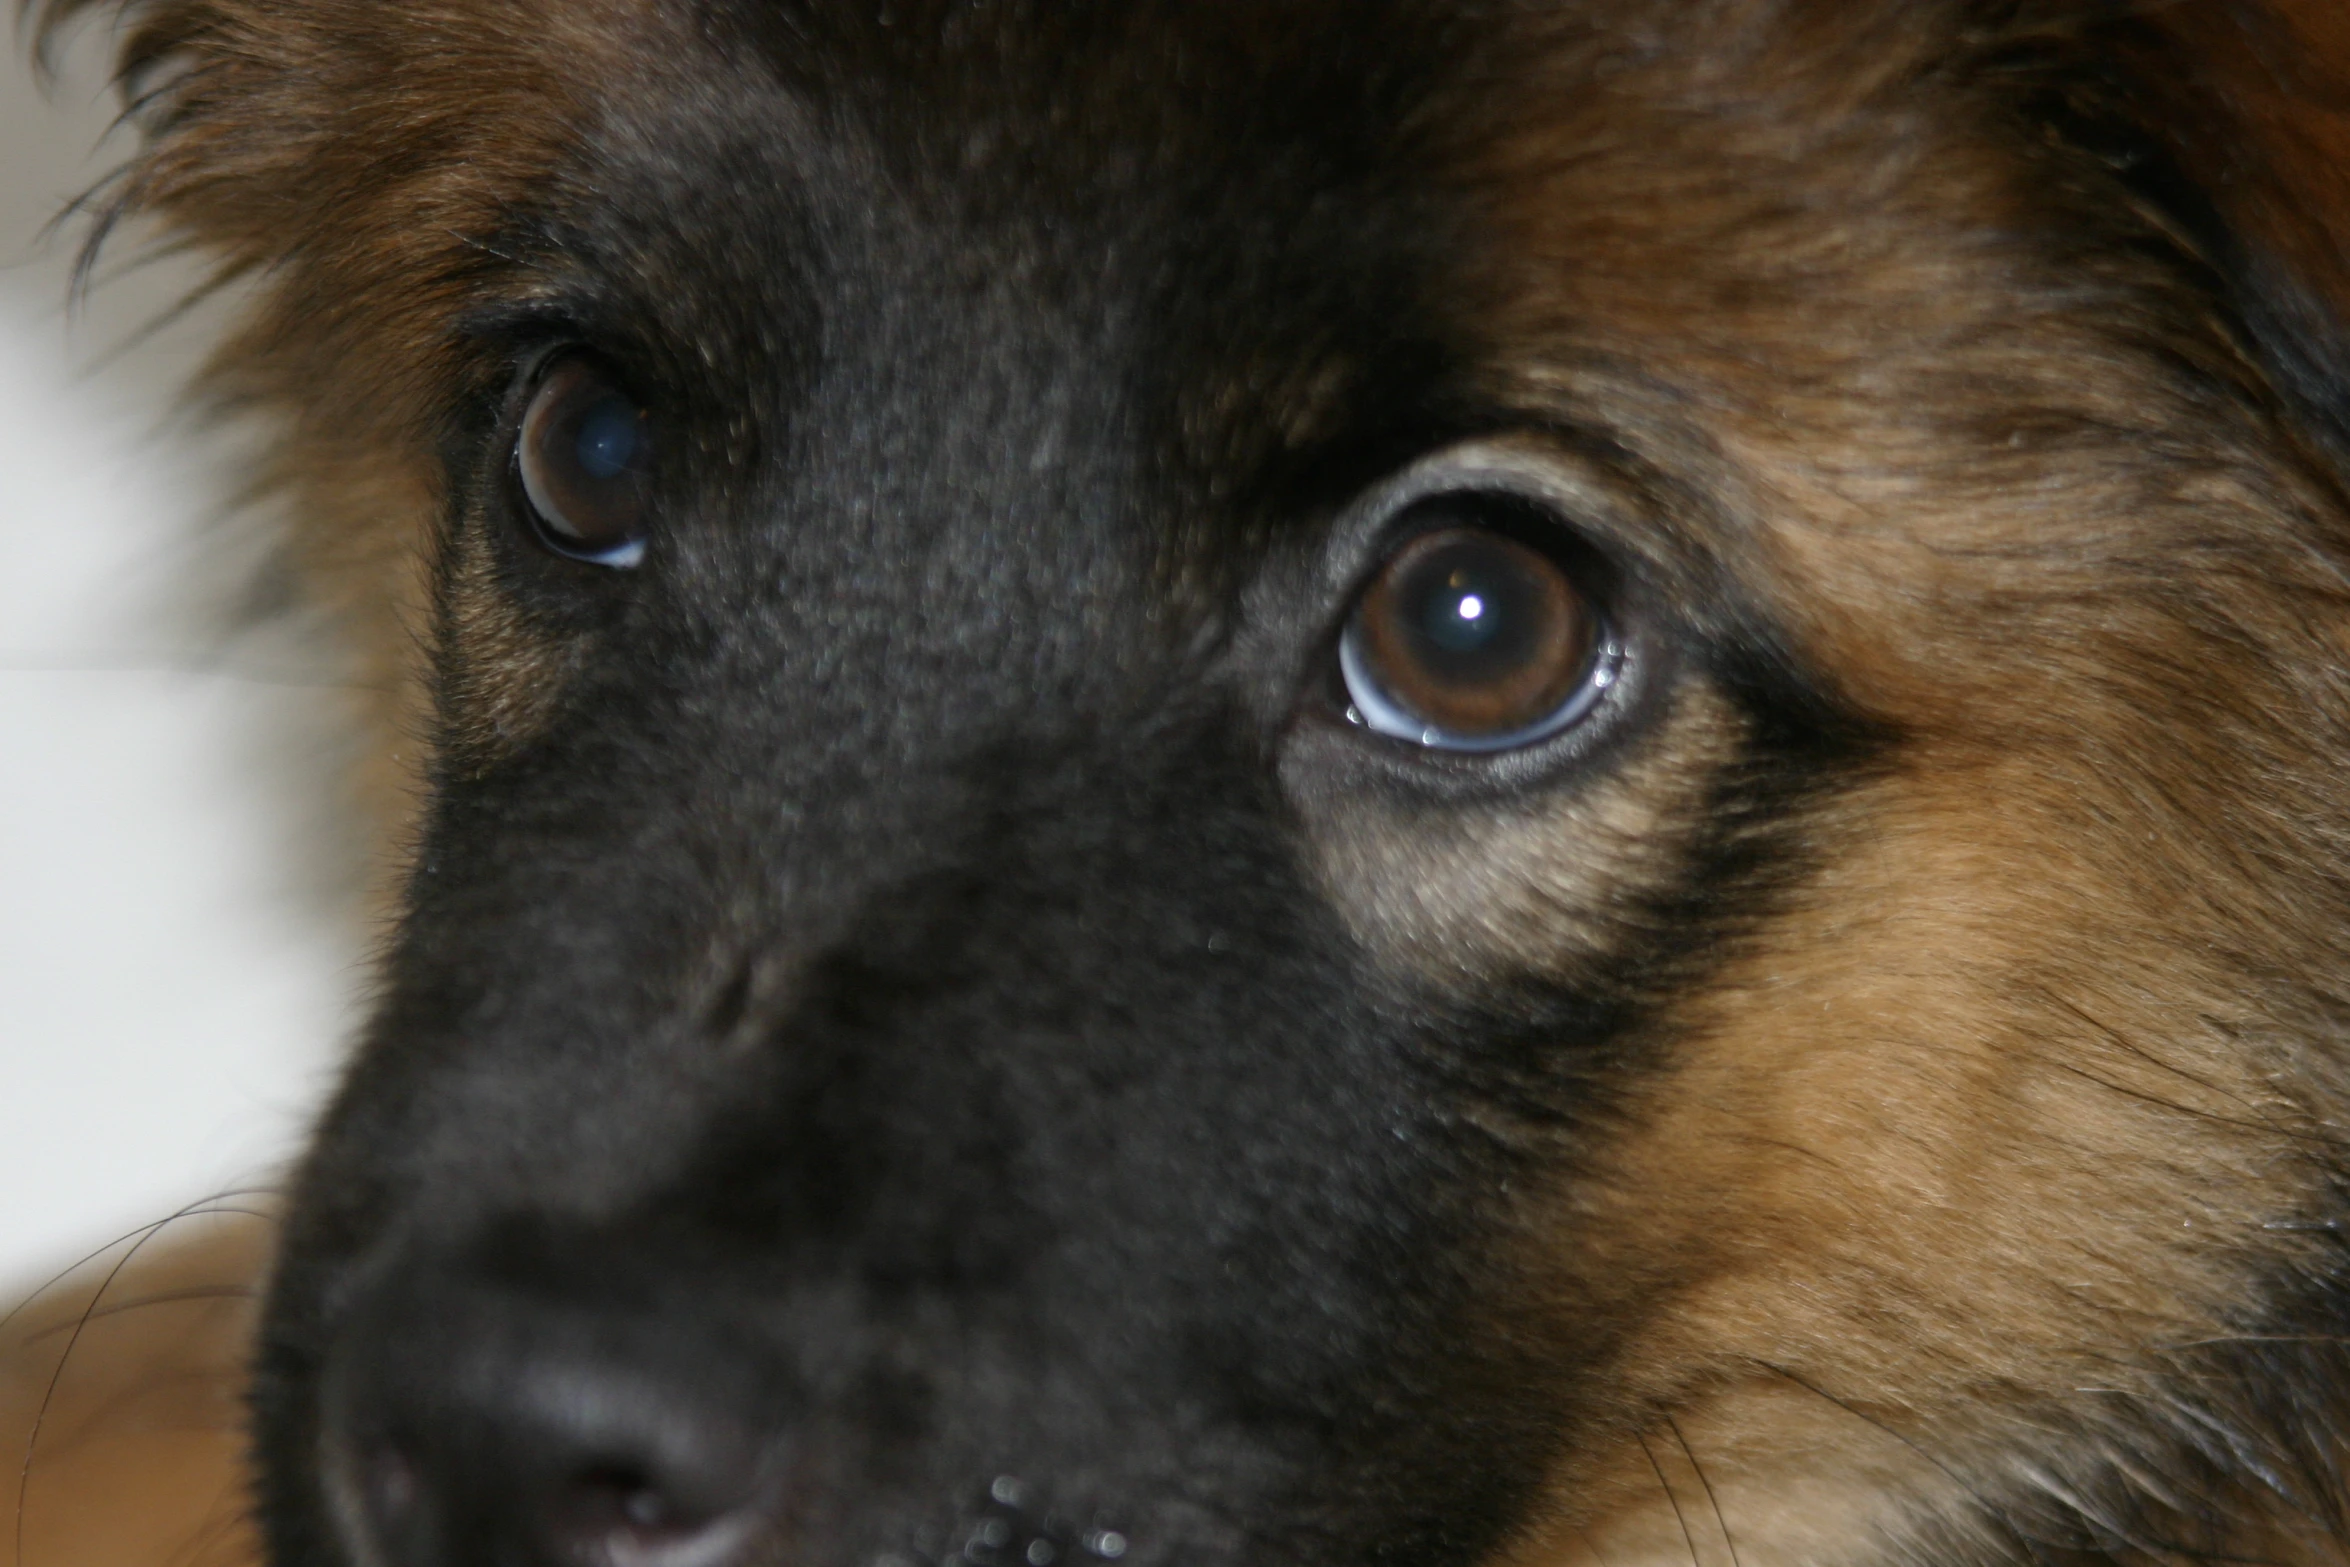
(1468, 640)
(584, 458)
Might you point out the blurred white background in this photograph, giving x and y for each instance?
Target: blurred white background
(178, 951)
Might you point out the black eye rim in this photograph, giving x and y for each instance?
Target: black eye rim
(546, 538)
(1498, 502)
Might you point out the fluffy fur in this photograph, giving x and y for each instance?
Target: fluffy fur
(905, 970)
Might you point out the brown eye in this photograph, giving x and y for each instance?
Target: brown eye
(1468, 640)
(584, 456)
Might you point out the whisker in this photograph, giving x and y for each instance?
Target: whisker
(167, 1298)
(2255, 1116)
(220, 1204)
(202, 1208)
(1666, 1486)
(1715, 1502)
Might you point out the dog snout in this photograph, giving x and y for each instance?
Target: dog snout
(464, 1429)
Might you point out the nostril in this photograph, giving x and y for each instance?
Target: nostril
(468, 1421)
(614, 1496)
(389, 1490)
(389, 1476)
(550, 1463)
(620, 1514)
(603, 1498)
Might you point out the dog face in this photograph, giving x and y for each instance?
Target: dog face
(1312, 782)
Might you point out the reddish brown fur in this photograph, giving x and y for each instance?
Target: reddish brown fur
(1922, 1156)
(1962, 1179)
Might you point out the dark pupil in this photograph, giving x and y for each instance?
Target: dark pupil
(1473, 612)
(608, 438)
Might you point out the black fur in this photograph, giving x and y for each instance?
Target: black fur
(869, 1039)
(884, 1011)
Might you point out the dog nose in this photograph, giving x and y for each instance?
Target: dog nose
(569, 1474)
(471, 1441)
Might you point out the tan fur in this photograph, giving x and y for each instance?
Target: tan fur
(1957, 1141)
(1956, 1149)
(1955, 1168)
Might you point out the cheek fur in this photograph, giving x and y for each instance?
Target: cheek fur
(1553, 886)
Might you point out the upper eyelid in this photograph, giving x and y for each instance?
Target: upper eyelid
(555, 310)
(1589, 514)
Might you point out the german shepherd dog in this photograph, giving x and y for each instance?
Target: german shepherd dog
(1311, 783)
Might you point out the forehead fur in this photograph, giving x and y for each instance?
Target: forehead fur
(1667, 192)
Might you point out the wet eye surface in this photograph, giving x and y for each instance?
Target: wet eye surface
(1469, 640)
(584, 458)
